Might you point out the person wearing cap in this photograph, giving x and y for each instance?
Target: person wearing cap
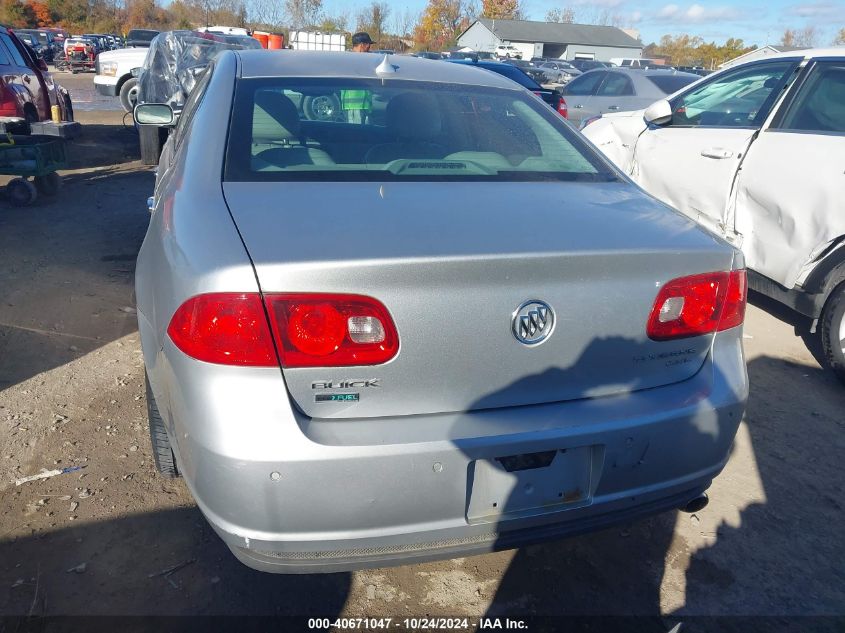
(358, 103)
(361, 42)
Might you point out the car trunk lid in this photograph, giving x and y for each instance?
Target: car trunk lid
(453, 262)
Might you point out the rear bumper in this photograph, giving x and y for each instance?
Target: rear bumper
(295, 495)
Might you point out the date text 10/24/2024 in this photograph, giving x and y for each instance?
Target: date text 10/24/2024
(418, 624)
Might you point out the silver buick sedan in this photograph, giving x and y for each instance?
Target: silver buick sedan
(394, 310)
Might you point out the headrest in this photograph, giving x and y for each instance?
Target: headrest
(414, 116)
(274, 117)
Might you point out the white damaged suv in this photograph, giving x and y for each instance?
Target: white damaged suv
(756, 154)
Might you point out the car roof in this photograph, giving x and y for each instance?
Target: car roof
(268, 63)
(805, 53)
(643, 72)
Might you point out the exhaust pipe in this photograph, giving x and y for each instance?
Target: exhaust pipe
(696, 504)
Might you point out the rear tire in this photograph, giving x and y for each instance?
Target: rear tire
(832, 331)
(163, 455)
(129, 94)
(152, 139)
(21, 192)
(322, 108)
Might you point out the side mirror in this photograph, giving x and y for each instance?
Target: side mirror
(658, 113)
(159, 114)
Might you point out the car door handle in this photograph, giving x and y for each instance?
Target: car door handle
(612, 107)
(716, 152)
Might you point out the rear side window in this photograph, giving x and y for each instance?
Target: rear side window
(820, 103)
(13, 50)
(615, 85)
(369, 130)
(668, 84)
(585, 85)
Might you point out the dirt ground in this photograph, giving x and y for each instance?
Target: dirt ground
(98, 540)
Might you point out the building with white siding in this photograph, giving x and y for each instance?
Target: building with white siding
(551, 39)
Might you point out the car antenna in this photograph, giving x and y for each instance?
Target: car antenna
(385, 67)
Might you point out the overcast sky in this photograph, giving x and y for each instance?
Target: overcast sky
(756, 22)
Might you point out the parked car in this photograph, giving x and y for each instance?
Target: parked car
(588, 64)
(552, 97)
(529, 68)
(42, 42)
(140, 38)
(696, 70)
(314, 362)
(114, 77)
(619, 90)
(429, 55)
(508, 52)
(57, 95)
(632, 62)
(755, 154)
(175, 63)
(24, 94)
(559, 72)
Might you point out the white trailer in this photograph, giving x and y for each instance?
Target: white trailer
(317, 41)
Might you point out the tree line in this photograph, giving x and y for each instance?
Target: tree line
(437, 27)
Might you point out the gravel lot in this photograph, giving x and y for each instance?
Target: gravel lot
(96, 541)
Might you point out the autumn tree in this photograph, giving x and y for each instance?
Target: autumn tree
(501, 9)
(303, 14)
(566, 15)
(373, 20)
(16, 14)
(441, 23)
(40, 13)
(338, 23)
(267, 14)
(839, 40)
(403, 23)
(684, 50)
(141, 14)
(806, 37)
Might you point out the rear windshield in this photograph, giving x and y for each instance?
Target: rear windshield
(369, 130)
(669, 84)
(141, 35)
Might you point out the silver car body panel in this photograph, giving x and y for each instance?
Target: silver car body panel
(392, 482)
(417, 248)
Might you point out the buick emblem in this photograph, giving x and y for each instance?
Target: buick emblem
(533, 322)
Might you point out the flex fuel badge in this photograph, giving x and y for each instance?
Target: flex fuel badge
(336, 397)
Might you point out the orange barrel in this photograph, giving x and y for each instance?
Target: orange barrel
(276, 41)
(263, 38)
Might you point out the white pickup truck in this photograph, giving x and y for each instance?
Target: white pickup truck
(114, 74)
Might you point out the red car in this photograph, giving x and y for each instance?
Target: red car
(27, 90)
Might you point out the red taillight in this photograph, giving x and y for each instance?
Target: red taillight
(733, 314)
(699, 304)
(331, 330)
(562, 110)
(8, 102)
(224, 328)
